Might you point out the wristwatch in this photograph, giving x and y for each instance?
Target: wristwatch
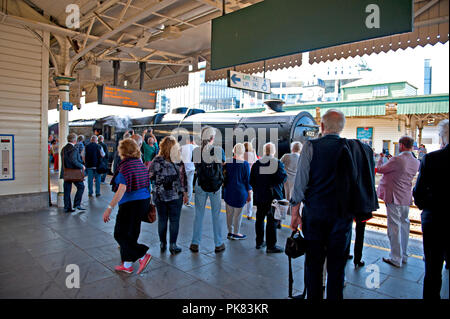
(109, 206)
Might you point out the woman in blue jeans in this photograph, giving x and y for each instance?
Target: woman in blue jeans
(168, 175)
(208, 161)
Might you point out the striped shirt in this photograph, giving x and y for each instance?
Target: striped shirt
(135, 173)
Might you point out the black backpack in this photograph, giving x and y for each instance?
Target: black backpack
(210, 175)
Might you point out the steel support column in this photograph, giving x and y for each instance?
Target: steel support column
(116, 67)
(63, 84)
(142, 67)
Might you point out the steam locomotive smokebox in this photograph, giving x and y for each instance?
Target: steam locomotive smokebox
(275, 105)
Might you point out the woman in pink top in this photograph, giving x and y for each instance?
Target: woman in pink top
(251, 158)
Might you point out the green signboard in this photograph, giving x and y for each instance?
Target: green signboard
(275, 28)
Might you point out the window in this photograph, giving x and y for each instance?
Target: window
(386, 146)
(275, 84)
(379, 91)
(396, 149)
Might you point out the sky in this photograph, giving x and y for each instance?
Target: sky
(407, 65)
(399, 65)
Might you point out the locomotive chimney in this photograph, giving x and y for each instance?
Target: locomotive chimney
(275, 105)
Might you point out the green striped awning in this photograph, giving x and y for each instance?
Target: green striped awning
(358, 110)
(423, 104)
(424, 107)
(348, 108)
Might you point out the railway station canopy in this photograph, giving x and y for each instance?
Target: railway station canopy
(171, 38)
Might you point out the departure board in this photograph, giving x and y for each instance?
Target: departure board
(113, 95)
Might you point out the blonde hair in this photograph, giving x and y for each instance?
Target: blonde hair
(128, 148)
(248, 147)
(239, 149)
(170, 149)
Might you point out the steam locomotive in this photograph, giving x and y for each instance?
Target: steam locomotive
(285, 127)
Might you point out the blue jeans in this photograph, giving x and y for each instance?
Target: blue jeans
(78, 195)
(200, 202)
(169, 211)
(92, 173)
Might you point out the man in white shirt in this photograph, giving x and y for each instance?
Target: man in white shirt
(186, 156)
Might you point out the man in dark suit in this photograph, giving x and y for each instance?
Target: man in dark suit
(326, 219)
(267, 178)
(431, 195)
(72, 159)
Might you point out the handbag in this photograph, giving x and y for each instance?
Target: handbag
(281, 208)
(102, 168)
(295, 247)
(72, 174)
(150, 216)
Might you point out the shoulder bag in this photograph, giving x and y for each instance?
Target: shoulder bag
(102, 166)
(72, 174)
(150, 217)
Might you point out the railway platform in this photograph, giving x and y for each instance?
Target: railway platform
(36, 248)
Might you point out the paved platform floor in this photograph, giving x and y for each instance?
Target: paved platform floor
(36, 247)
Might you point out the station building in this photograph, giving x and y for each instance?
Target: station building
(381, 113)
(24, 78)
(43, 60)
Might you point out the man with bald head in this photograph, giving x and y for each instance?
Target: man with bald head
(326, 228)
(267, 177)
(395, 189)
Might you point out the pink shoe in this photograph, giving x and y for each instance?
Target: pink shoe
(123, 269)
(144, 262)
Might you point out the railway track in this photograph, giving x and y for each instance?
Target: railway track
(380, 220)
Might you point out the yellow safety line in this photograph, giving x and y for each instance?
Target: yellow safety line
(289, 227)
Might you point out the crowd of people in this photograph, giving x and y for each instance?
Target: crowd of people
(329, 183)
